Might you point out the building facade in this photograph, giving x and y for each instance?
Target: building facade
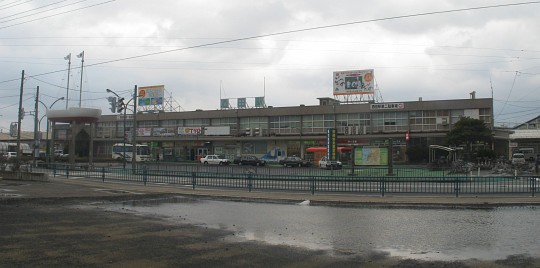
(275, 132)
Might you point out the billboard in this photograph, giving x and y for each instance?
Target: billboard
(371, 156)
(152, 95)
(354, 82)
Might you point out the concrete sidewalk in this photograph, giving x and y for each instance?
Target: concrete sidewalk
(62, 188)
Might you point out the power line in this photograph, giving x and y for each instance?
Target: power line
(283, 32)
(13, 4)
(57, 14)
(40, 12)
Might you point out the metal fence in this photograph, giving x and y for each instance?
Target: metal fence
(369, 181)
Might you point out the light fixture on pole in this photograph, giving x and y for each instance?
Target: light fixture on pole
(47, 146)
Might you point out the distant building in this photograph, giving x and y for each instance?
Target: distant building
(274, 132)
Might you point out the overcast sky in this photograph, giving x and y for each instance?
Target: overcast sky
(438, 55)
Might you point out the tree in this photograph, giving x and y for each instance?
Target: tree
(468, 131)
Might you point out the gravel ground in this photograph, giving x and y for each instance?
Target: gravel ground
(52, 232)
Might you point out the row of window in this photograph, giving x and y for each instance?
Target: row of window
(348, 123)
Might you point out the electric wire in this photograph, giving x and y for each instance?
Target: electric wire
(57, 14)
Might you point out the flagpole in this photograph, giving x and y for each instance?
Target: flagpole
(80, 87)
(68, 57)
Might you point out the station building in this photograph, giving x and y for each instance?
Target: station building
(274, 132)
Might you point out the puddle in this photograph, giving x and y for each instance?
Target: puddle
(427, 234)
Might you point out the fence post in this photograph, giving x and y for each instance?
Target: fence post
(250, 182)
(456, 187)
(312, 185)
(383, 186)
(67, 171)
(145, 175)
(103, 174)
(193, 179)
(54, 170)
(533, 186)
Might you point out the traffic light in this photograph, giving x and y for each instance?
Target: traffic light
(112, 101)
(121, 105)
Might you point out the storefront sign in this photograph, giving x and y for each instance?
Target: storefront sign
(189, 131)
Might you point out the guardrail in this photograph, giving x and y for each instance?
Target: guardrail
(370, 181)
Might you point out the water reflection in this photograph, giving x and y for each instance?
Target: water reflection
(434, 234)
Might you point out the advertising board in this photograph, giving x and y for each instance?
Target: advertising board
(354, 82)
(371, 156)
(151, 95)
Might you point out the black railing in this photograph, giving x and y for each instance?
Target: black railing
(370, 181)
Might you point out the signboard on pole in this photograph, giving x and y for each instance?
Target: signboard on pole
(354, 82)
(371, 156)
(331, 144)
(152, 95)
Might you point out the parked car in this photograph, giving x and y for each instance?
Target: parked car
(249, 160)
(518, 159)
(10, 154)
(214, 159)
(294, 161)
(329, 164)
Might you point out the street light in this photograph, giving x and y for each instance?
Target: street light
(47, 146)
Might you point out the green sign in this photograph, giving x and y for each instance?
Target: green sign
(371, 156)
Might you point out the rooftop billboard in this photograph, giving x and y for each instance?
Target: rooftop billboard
(152, 95)
(354, 82)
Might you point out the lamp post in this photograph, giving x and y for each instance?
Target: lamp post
(47, 146)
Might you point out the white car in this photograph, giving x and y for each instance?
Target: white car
(10, 154)
(328, 164)
(215, 160)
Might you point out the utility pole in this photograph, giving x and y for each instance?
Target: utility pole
(19, 152)
(36, 134)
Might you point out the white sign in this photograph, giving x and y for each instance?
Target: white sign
(217, 131)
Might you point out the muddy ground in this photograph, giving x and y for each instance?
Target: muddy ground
(61, 233)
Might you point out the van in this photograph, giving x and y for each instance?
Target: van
(518, 159)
